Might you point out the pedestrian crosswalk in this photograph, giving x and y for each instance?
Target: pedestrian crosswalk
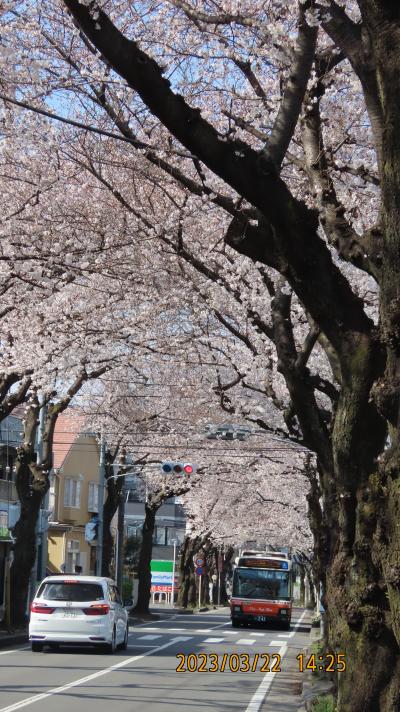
(233, 638)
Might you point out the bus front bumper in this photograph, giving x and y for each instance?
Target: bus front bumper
(279, 615)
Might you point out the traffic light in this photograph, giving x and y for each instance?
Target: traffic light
(178, 468)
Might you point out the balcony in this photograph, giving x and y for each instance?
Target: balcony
(8, 491)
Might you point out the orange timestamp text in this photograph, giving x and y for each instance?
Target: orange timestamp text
(229, 662)
(329, 662)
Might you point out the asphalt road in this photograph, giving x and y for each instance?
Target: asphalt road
(144, 678)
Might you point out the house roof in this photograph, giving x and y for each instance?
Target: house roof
(69, 426)
(19, 411)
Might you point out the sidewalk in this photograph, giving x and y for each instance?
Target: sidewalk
(314, 686)
(8, 639)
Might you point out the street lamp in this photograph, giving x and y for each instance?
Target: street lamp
(174, 542)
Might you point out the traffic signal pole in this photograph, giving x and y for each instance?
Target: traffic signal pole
(200, 577)
(102, 474)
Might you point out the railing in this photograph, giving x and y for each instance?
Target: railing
(8, 491)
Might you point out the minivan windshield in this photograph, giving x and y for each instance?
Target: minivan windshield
(70, 591)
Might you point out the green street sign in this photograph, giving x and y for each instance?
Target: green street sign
(162, 565)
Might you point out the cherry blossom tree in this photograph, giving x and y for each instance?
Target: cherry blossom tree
(279, 122)
(280, 102)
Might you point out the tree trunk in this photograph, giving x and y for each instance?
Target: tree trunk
(24, 549)
(142, 605)
(312, 602)
(302, 585)
(363, 587)
(32, 483)
(110, 507)
(186, 572)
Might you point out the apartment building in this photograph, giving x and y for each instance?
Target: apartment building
(73, 496)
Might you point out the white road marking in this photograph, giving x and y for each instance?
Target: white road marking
(88, 678)
(258, 698)
(148, 637)
(182, 638)
(209, 640)
(259, 695)
(203, 630)
(245, 641)
(175, 630)
(297, 625)
(15, 650)
(136, 627)
(260, 634)
(220, 625)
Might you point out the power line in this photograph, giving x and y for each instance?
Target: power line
(82, 447)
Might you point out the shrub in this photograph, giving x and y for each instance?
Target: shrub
(324, 703)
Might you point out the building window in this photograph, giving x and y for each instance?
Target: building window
(159, 536)
(134, 490)
(73, 556)
(135, 529)
(93, 498)
(72, 492)
(174, 534)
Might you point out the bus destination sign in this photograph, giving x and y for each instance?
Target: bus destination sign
(259, 563)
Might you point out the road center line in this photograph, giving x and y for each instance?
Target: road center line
(88, 678)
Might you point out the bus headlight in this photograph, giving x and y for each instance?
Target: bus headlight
(237, 609)
(283, 611)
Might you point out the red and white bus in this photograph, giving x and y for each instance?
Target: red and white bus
(262, 589)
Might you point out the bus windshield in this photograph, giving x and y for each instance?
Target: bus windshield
(261, 583)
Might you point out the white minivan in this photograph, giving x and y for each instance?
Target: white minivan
(79, 610)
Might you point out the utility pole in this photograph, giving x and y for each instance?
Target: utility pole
(102, 474)
(120, 529)
(46, 500)
(174, 541)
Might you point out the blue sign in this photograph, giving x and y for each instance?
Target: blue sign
(199, 570)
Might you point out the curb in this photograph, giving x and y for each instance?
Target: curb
(313, 686)
(184, 611)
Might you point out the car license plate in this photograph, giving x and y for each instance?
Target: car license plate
(70, 614)
(260, 619)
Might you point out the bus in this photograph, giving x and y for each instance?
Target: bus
(262, 589)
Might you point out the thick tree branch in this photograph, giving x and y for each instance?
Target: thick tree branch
(289, 234)
(300, 389)
(332, 213)
(354, 40)
(295, 89)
